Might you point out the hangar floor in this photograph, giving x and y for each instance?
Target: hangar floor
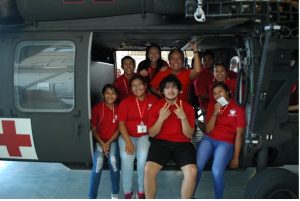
(53, 180)
(34, 180)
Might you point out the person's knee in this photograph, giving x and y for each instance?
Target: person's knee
(99, 164)
(200, 165)
(126, 157)
(217, 171)
(114, 163)
(190, 172)
(142, 155)
(193, 171)
(150, 173)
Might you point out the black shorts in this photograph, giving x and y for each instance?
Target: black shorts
(162, 151)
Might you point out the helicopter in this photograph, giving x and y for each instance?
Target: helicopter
(56, 55)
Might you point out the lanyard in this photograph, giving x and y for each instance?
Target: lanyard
(113, 118)
(103, 113)
(125, 86)
(141, 113)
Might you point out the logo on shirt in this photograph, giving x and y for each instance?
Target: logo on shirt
(149, 106)
(232, 113)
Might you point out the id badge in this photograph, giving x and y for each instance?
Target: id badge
(142, 128)
(222, 101)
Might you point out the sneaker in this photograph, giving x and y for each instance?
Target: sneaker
(114, 196)
(140, 195)
(128, 195)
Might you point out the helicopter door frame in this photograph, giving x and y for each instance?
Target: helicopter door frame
(45, 77)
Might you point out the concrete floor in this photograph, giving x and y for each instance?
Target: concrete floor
(37, 180)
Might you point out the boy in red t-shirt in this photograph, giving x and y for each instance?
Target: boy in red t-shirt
(122, 82)
(176, 61)
(204, 80)
(171, 126)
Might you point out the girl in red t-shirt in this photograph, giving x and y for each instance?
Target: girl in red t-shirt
(105, 131)
(133, 124)
(225, 128)
(221, 75)
(152, 64)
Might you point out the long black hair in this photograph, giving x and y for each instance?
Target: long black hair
(146, 63)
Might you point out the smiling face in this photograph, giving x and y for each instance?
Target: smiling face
(154, 54)
(138, 88)
(219, 92)
(220, 73)
(128, 66)
(110, 96)
(176, 60)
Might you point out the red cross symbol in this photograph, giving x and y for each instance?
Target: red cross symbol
(12, 140)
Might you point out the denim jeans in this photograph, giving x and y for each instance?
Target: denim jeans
(113, 162)
(222, 155)
(127, 162)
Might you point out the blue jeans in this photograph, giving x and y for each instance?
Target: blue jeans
(141, 145)
(222, 155)
(113, 162)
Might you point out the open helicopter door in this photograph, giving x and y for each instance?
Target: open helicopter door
(45, 100)
(271, 128)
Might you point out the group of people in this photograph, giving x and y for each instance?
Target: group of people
(147, 116)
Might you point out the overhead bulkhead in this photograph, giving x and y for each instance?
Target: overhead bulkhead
(48, 10)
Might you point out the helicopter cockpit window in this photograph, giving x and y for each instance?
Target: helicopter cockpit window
(44, 76)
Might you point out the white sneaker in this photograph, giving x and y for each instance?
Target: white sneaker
(114, 196)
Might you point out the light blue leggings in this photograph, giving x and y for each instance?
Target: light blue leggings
(141, 145)
(222, 155)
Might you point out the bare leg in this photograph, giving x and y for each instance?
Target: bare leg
(189, 180)
(151, 171)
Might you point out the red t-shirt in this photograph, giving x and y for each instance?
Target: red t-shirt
(152, 71)
(183, 76)
(171, 129)
(231, 75)
(201, 84)
(231, 118)
(130, 110)
(122, 84)
(104, 120)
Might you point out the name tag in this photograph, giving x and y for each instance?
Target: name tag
(142, 128)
